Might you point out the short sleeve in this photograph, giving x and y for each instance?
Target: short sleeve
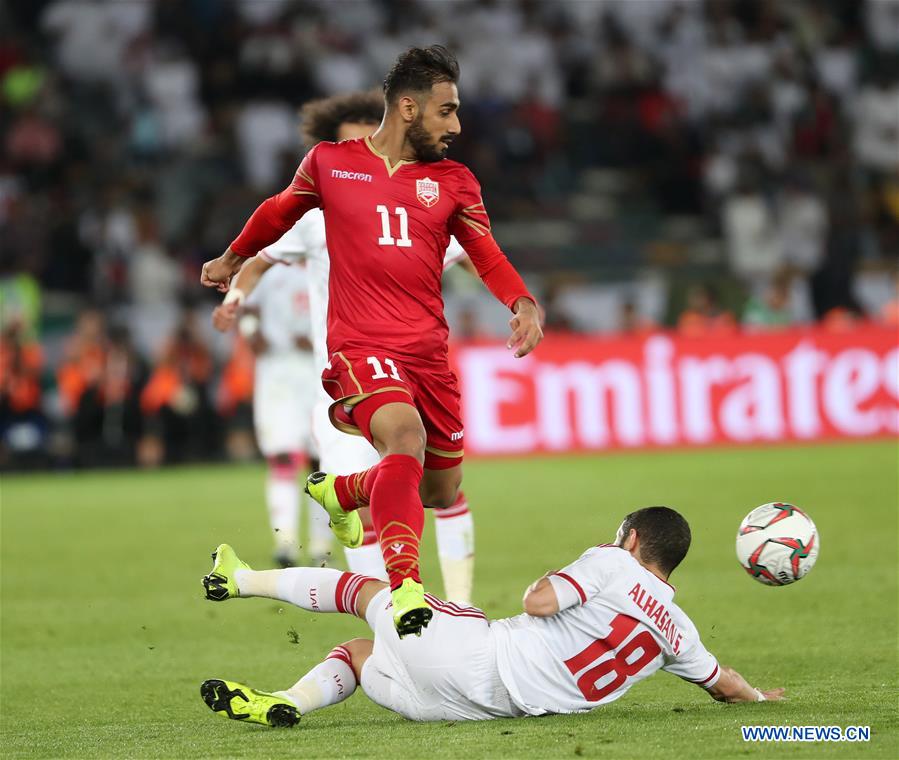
(454, 252)
(305, 181)
(470, 220)
(290, 249)
(583, 578)
(696, 665)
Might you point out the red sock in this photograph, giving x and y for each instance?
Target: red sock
(398, 516)
(354, 491)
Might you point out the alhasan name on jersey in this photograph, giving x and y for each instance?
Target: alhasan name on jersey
(386, 241)
(617, 625)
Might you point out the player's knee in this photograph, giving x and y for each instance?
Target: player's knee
(284, 466)
(408, 439)
(360, 650)
(439, 495)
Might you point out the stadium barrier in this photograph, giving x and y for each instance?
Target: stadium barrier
(597, 393)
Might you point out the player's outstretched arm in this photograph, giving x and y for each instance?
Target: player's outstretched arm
(731, 687)
(269, 222)
(242, 285)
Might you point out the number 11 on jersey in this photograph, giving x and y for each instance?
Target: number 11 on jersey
(378, 372)
(403, 241)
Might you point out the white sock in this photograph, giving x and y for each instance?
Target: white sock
(366, 560)
(282, 497)
(328, 683)
(455, 550)
(321, 539)
(316, 589)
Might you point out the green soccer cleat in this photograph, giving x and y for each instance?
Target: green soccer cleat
(220, 584)
(238, 702)
(411, 612)
(347, 526)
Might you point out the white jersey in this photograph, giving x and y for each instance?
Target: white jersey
(617, 625)
(286, 382)
(306, 241)
(284, 308)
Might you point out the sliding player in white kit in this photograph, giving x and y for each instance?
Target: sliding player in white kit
(275, 321)
(346, 117)
(588, 633)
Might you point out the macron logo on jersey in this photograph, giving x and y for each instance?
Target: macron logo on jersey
(342, 174)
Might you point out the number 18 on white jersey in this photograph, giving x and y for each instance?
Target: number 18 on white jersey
(618, 624)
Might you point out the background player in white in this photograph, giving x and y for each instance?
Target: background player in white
(588, 633)
(275, 321)
(346, 117)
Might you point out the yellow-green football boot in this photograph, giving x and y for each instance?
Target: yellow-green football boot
(220, 584)
(347, 526)
(411, 612)
(239, 702)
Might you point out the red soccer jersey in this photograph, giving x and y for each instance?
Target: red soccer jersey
(387, 231)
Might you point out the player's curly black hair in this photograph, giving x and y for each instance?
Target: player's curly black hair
(320, 119)
(419, 69)
(664, 536)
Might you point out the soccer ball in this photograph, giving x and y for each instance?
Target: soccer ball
(777, 544)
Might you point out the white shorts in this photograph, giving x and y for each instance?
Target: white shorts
(449, 673)
(284, 395)
(340, 453)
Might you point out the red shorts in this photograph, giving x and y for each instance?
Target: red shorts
(353, 377)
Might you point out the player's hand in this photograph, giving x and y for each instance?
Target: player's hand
(224, 315)
(773, 695)
(217, 273)
(257, 342)
(526, 330)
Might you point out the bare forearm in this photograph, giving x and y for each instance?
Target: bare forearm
(732, 687)
(249, 275)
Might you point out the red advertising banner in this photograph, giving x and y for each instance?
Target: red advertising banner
(596, 393)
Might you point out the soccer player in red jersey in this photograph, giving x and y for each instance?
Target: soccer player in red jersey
(391, 202)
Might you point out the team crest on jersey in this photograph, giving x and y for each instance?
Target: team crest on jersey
(427, 191)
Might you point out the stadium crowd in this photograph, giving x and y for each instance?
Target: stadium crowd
(692, 164)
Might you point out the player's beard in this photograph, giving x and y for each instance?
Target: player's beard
(426, 150)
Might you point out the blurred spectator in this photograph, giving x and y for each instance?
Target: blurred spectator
(556, 318)
(704, 317)
(889, 314)
(235, 401)
(468, 326)
(179, 420)
(754, 248)
(22, 424)
(20, 303)
(631, 322)
(123, 379)
(840, 319)
(877, 124)
(79, 379)
(155, 281)
(802, 225)
(772, 310)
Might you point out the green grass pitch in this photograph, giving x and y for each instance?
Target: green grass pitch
(106, 638)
